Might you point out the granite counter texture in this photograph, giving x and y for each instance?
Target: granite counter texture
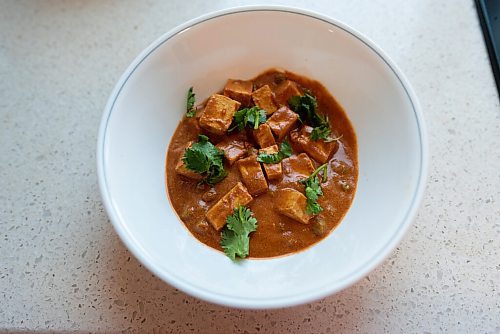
(62, 266)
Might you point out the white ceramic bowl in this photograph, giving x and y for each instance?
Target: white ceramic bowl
(149, 100)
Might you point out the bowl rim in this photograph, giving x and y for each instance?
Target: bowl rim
(355, 276)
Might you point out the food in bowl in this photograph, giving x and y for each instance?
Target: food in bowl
(265, 167)
(147, 104)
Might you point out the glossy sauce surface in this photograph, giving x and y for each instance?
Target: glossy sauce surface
(276, 234)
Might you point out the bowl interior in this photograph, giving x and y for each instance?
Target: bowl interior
(150, 100)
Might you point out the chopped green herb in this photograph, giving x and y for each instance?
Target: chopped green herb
(235, 236)
(284, 152)
(285, 149)
(313, 189)
(321, 132)
(190, 109)
(306, 106)
(206, 159)
(252, 117)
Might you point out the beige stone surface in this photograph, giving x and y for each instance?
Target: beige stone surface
(62, 266)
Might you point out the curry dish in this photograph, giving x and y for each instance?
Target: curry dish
(263, 168)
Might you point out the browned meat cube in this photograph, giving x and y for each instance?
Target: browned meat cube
(285, 91)
(218, 114)
(252, 175)
(319, 150)
(273, 171)
(239, 90)
(282, 122)
(297, 167)
(263, 136)
(182, 170)
(263, 98)
(292, 203)
(234, 149)
(294, 140)
(219, 212)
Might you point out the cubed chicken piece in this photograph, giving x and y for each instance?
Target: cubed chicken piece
(252, 175)
(319, 150)
(234, 149)
(182, 170)
(239, 90)
(273, 171)
(263, 98)
(263, 136)
(218, 114)
(294, 140)
(292, 203)
(219, 212)
(285, 91)
(297, 167)
(282, 122)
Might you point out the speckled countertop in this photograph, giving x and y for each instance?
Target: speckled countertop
(62, 266)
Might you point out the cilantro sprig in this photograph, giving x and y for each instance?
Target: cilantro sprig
(284, 152)
(321, 132)
(313, 189)
(235, 236)
(307, 108)
(205, 159)
(190, 109)
(252, 117)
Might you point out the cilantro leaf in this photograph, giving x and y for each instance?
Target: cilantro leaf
(256, 116)
(235, 236)
(196, 160)
(285, 149)
(216, 173)
(242, 221)
(321, 132)
(239, 120)
(284, 152)
(190, 109)
(248, 116)
(313, 190)
(306, 106)
(234, 245)
(206, 159)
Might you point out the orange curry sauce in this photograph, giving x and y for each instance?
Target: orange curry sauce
(276, 234)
